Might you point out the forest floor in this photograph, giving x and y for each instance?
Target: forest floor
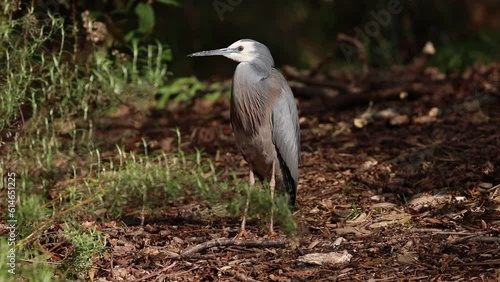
(406, 189)
(411, 193)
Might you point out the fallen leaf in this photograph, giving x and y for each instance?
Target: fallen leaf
(331, 258)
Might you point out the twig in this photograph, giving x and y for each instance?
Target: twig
(480, 263)
(419, 278)
(329, 56)
(158, 272)
(485, 239)
(494, 187)
(326, 83)
(241, 277)
(183, 272)
(40, 261)
(392, 278)
(359, 46)
(341, 102)
(111, 266)
(462, 239)
(468, 236)
(45, 225)
(439, 231)
(231, 242)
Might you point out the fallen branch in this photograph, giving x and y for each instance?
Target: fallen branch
(359, 46)
(327, 84)
(231, 242)
(486, 239)
(480, 263)
(443, 232)
(468, 236)
(364, 98)
(329, 56)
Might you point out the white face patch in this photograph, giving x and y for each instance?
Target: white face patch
(247, 51)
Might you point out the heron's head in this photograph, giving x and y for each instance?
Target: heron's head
(243, 51)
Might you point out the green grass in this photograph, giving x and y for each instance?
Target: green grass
(87, 246)
(31, 265)
(50, 105)
(481, 48)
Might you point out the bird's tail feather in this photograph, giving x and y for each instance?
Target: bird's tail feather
(289, 184)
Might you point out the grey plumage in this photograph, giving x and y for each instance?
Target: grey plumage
(265, 124)
(263, 116)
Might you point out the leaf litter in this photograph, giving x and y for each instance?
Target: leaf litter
(408, 192)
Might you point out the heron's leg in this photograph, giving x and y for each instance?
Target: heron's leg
(251, 180)
(272, 186)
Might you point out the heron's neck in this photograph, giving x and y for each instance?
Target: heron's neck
(248, 98)
(260, 68)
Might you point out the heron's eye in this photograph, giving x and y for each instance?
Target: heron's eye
(240, 48)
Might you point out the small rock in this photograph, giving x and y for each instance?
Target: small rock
(360, 122)
(367, 165)
(485, 185)
(399, 120)
(429, 49)
(377, 198)
(387, 113)
(339, 241)
(434, 112)
(424, 119)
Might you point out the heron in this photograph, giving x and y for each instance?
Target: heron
(264, 119)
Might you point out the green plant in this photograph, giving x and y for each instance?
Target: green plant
(30, 265)
(480, 48)
(64, 174)
(57, 103)
(86, 247)
(355, 211)
(129, 20)
(183, 88)
(186, 88)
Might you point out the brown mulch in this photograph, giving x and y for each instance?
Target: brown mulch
(409, 187)
(424, 181)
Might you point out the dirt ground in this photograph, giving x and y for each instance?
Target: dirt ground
(405, 190)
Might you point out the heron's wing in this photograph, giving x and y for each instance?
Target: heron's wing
(285, 126)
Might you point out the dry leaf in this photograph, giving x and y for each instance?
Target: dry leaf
(331, 258)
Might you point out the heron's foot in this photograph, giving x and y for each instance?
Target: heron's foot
(242, 234)
(271, 235)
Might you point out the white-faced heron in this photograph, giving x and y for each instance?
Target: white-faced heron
(264, 119)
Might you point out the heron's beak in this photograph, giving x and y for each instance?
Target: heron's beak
(218, 52)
